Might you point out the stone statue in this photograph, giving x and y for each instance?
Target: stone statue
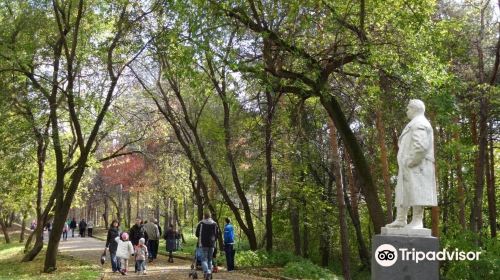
(416, 186)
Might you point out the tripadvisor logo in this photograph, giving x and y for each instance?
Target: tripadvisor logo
(386, 255)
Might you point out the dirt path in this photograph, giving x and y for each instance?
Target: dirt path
(90, 250)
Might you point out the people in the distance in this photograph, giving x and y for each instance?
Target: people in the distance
(229, 244)
(206, 231)
(112, 245)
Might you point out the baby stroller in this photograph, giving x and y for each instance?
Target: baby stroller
(196, 265)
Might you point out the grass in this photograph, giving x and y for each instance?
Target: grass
(11, 266)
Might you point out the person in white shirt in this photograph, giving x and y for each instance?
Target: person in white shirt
(124, 251)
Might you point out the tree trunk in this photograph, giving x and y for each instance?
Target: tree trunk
(269, 170)
(105, 215)
(336, 168)
(23, 228)
(3, 224)
(295, 225)
(324, 245)
(177, 221)
(28, 242)
(199, 200)
(479, 172)
(138, 206)
(305, 231)
(352, 208)
(128, 220)
(445, 195)
(384, 163)
(120, 210)
(460, 181)
(184, 206)
(11, 219)
(490, 177)
(166, 223)
(477, 214)
(41, 221)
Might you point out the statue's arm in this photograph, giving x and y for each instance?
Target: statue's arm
(419, 145)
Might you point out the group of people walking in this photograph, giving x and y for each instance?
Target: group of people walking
(142, 241)
(83, 227)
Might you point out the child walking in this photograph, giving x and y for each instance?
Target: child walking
(141, 255)
(124, 251)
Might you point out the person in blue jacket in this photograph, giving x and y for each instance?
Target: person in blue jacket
(229, 244)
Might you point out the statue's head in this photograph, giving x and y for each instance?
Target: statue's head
(415, 108)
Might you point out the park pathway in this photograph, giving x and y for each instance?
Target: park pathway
(90, 249)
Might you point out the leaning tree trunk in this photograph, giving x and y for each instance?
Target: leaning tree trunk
(353, 147)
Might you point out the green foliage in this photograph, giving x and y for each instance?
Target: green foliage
(305, 269)
(264, 258)
(294, 266)
(486, 268)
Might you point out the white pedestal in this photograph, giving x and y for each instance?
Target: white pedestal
(405, 231)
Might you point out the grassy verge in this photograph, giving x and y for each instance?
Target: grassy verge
(68, 267)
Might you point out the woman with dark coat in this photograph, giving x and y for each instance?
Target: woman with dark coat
(112, 246)
(169, 237)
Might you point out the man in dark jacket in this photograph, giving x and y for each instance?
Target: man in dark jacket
(82, 226)
(137, 232)
(206, 231)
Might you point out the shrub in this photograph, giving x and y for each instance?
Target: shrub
(307, 270)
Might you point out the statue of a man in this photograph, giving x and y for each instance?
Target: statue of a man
(416, 185)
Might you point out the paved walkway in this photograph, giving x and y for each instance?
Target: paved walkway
(90, 250)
